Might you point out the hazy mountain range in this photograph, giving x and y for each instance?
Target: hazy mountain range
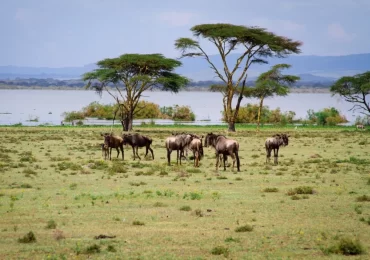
(309, 68)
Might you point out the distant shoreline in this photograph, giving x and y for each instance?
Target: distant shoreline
(190, 89)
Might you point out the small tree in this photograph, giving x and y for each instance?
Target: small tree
(272, 83)
(355, 90)
(131, 75)
(256, 44)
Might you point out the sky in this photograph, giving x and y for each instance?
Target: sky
(63, 33)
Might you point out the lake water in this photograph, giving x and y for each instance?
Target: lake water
(21, 106)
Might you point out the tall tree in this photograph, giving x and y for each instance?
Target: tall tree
(257, 45)
(272, 83)
(356, 90)
(132, 74)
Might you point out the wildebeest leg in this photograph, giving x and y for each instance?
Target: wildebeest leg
(196, 159)
(133, 151)
(276, 151)
(217, 160)
(179, 156)
(169, 156)
(224, 159)
(277, 155)
(268, 154)
(123, 154)
(137, 152)
(110, 153)
(151, 150)
(117, 151)
(232, 157)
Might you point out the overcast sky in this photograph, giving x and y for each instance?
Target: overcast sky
(58, 33)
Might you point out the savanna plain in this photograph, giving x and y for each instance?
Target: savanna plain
(60, 199)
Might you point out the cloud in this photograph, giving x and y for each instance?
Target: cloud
(177, 19)
(337, 32)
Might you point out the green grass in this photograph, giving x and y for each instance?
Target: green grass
(57, 184)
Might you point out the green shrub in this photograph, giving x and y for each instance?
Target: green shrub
(220, 250)
(185, 208)
(245, 228)
(301, 190)
(28, 238)
(271, 190)
(345, 246)
(363, 198)
(51, 224)
(328, 116)
(93, 249)
(138, 223)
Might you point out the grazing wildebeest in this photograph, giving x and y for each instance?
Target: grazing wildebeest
(196, 146)
(224, 146)
(178, 143)
(273, 143)
(113, 141)
(360, 126)
(136, 141)
(184, 153)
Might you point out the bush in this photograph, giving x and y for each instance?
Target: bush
(249, 114)
(144, 110)
(28, 238)
(178, 113)
(328, 116)
(138, 223)
(220, 250)
(301, 190)
(51, 224)
(245, 228)
(185, 208)
(346, 246)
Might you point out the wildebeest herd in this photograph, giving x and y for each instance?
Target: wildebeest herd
(184, 142)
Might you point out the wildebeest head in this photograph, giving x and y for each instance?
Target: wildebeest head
(285, 139)
(107, 139)
(210, 137)
(126, 138)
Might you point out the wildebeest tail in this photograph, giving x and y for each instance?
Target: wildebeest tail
(237, 157)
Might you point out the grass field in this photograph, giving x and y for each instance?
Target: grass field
(59, 197)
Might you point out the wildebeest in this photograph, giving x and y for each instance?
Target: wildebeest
(136, 141)
(224, 146)
(178, 143)
(196, 146)
(360, 126)
(184, 152)
(113, 141)
(273, 143)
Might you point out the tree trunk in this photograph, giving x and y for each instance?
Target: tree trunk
(231, 125)
(127, 123)
(259, 114)
(234, 117)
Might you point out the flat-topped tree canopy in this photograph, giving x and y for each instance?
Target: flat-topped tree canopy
(131, 75)
(235, 35)
(253, 44)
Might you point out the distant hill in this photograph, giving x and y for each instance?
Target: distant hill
(324, 66)
(310, 68)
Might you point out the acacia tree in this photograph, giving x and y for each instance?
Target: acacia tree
(132, 74)
(271, 83)
(257, 45)
(356, 90)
